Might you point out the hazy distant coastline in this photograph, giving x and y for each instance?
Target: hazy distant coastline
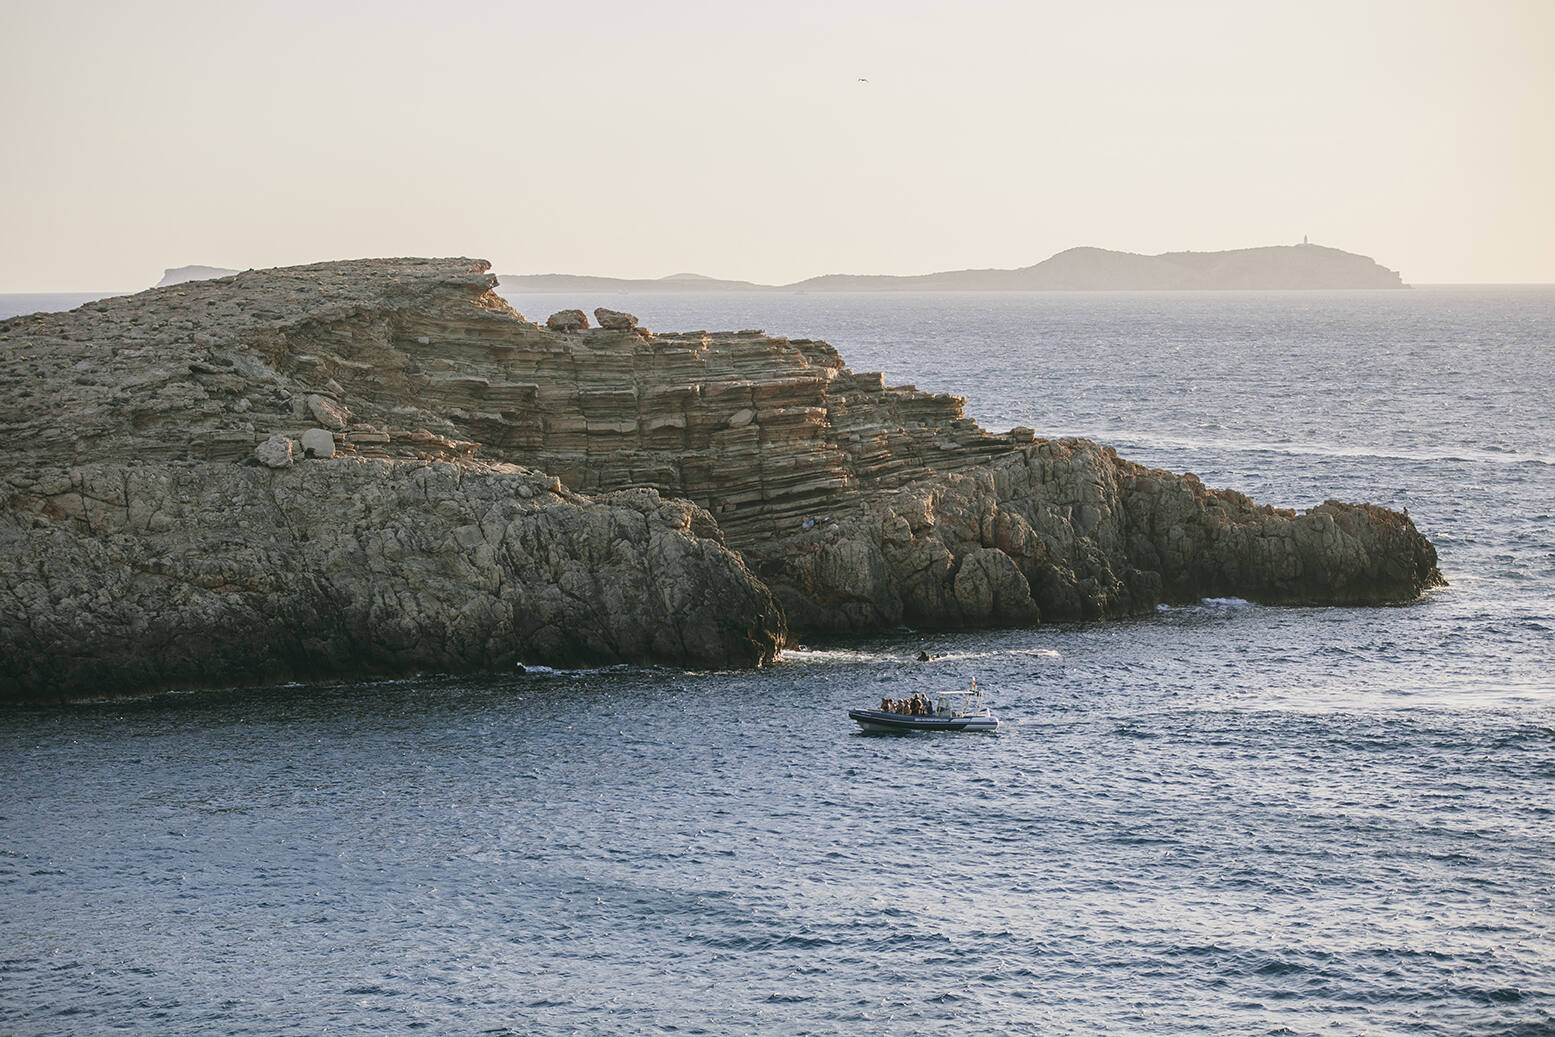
(179, 274)
(1273, 267)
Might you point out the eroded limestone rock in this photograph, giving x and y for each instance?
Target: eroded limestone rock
(859, 505)
(327, 412)
(614, 319)
(1092, 536)
(318, 442)
(567, 320)
(135, 578)
(275, 452)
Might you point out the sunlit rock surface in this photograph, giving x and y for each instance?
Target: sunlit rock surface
(378, 466)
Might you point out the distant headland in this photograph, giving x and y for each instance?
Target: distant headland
(179, 274)
(1270, 268)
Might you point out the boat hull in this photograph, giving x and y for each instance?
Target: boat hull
(878, 721)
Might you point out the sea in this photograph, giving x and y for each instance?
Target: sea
(1218, 818)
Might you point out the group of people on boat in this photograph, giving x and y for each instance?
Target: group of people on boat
(919, 705)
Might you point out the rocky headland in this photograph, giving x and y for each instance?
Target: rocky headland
(379, 467)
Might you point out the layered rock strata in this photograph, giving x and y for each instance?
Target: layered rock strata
(320, 398)
(1065, 530)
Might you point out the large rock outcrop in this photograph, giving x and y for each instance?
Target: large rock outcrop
(133, 576)
(1066, 530)
(338, 468)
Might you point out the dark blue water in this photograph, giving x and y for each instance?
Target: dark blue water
(1219, 819)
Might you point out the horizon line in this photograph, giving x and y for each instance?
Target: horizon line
(105, 293)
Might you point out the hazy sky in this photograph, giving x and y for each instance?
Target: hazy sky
(639, 139)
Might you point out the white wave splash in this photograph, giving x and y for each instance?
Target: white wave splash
(850, 655)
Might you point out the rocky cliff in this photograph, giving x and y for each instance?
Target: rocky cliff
(180, 574)
(378, 466)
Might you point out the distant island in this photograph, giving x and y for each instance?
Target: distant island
(179, 274)
(1273, 267)
(587, 283)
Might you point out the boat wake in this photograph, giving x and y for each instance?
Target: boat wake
(851, 656)
(1047, 654)
(811, 656)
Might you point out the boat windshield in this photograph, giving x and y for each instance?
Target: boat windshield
(966, 701)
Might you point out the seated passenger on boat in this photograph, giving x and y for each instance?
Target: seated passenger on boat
(919, 705)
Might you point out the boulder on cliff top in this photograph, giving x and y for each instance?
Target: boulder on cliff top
(567, 320)
(616, 320)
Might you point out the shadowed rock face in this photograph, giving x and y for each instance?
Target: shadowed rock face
(337, 469)
(193, 574)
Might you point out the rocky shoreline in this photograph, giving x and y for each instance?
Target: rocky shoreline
(378, 467)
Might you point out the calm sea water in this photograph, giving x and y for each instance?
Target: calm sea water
(1219, 819)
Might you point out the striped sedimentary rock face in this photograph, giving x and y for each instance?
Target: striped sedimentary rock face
(855, 505)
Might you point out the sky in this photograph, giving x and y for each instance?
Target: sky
(770, 142)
